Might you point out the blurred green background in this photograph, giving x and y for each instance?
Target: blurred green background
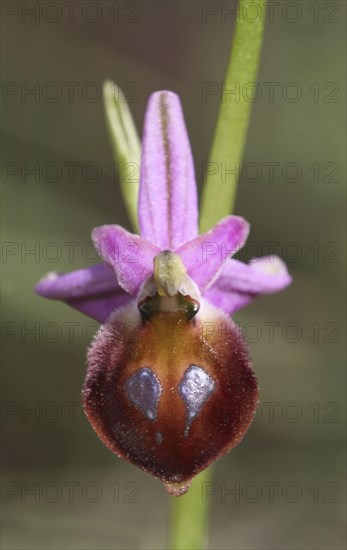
(283, 487)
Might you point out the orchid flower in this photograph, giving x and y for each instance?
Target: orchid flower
(169, 385)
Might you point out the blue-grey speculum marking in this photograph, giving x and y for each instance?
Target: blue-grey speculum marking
(143, 389)
(195, 389)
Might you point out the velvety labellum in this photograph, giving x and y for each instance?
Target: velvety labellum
(168, 392)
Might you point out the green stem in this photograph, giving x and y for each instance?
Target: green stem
(234, 114)
(190, 516)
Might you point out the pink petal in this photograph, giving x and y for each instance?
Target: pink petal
(130, 256)
(168, 213)
(227, 301)
(238, 284)
(91, 281)
(93, 291)
(101, 307)
(205, 256)
(261, 276)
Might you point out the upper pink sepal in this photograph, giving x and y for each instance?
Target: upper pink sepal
(167, 210)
